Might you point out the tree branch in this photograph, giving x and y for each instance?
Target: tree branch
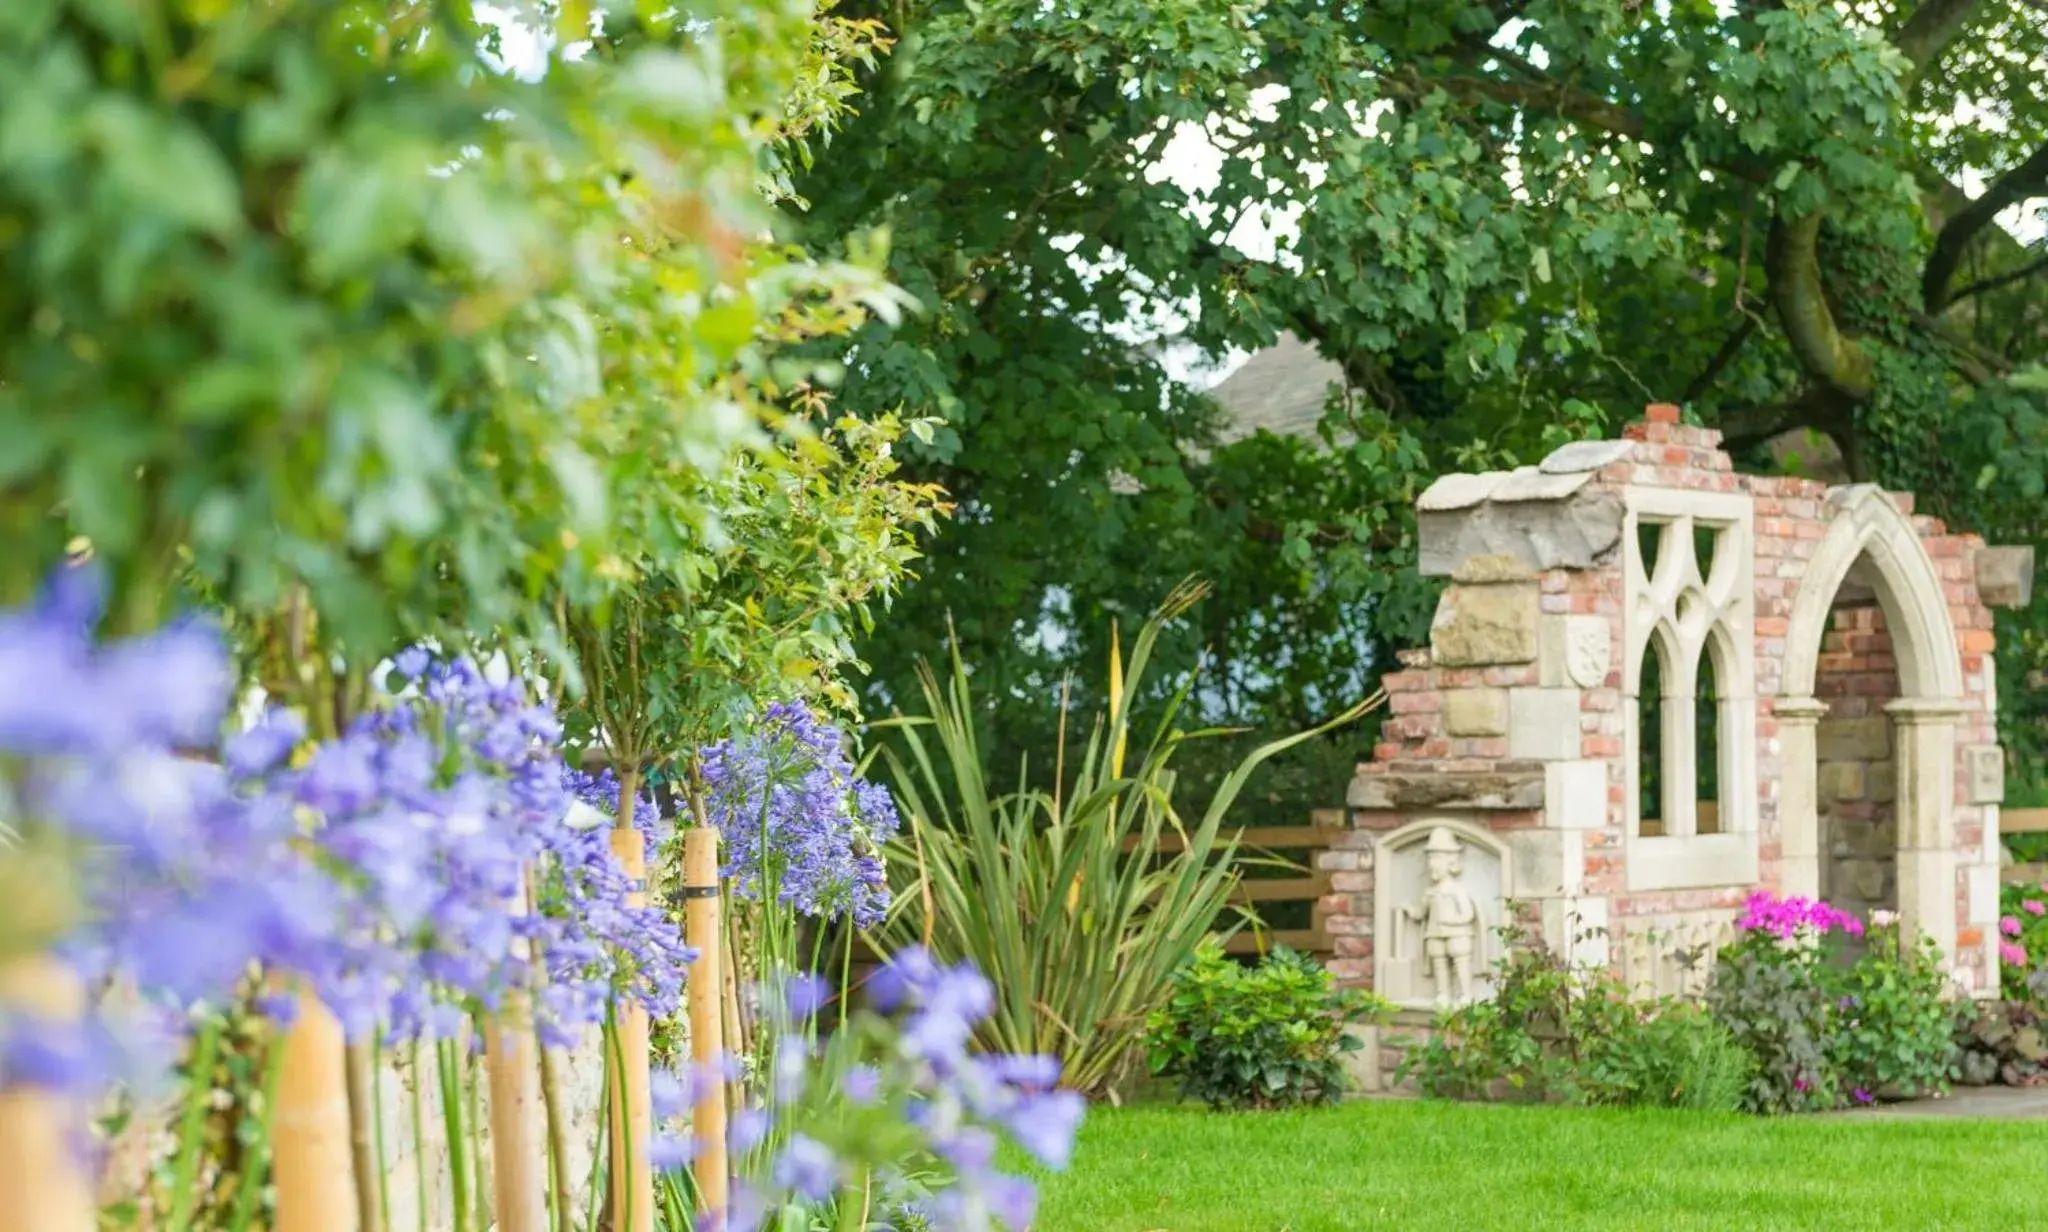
(1929, 30)
(1548, 95)
(1725, 354)
(1993, 283)
(1746, 427)
(1792, 264)
(2029, 179)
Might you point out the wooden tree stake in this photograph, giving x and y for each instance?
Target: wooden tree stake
(518, 1152)
(309, 1129)
(626, 1075)
(43, 1187)
(707, 1022)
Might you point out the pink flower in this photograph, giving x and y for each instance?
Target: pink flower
(2011, 954)
(1881, 918)
(2033, 906)
(2009, 925)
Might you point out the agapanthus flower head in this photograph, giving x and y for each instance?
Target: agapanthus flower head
(184, 881)
(806, 1128)
(798, 822)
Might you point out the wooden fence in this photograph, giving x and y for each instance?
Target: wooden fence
(2024, 821)
(1296, 845)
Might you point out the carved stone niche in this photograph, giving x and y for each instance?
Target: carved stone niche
(1440, 898)
(1672, 955)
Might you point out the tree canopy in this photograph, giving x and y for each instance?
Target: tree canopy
(1509, 224)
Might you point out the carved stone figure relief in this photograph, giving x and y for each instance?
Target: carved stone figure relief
(1441, 901)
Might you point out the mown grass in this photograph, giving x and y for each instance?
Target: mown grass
(1422, 1165)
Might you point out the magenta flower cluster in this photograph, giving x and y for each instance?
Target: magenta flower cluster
(1786, 918)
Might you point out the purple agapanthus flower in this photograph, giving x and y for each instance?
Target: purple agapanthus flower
(799, 824)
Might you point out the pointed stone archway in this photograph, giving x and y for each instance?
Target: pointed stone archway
(1865, 525)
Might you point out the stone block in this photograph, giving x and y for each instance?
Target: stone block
(1484, 625)
(1585, 456)
(1547, 863)
(1573, 651)
(1363, 1062)
(1528, 483)
(1482, 570)
(1577, 929)
(1415, 792)
(1580, 532)
(1866, 739)
(1841, 780)
(1881, 781)
(1543, 724)
(1984, 774)
(1575, 795)
(1458, 491)
(1980, 883)
(2005, 576)
(1476, 712)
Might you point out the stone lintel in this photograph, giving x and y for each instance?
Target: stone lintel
(1484, 791)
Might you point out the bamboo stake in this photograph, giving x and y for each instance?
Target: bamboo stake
(517, 1151)
(632, 1111)
(309, 1126)
(707, 1023)
(43, 1187)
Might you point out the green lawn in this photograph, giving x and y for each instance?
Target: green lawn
(1411, 1164)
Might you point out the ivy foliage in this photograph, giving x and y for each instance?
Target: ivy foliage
(1508, 224)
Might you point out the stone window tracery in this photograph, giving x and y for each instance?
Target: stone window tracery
(1688, 625)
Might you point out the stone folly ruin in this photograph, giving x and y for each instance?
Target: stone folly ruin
(1654, 685)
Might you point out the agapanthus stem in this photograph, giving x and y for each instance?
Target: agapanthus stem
(198, 1099)
(377, 1123)
(562, 1199)
(452, 1131)
(256, 1165)
(419, 1134)
(361, 1070)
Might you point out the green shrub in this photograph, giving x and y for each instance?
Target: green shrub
(1559, 1033)
(1676, 1056)
(1773, 999)
(1270, 1036)
(1827, 1030)
(2023, 941)
(1892, 1027)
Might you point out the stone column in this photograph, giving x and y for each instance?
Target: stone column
(1923, 742)
(1799, 795)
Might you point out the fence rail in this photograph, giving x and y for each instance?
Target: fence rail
(2024, 821)
(1301, 843)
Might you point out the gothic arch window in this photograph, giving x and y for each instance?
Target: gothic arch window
(1689, 630)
